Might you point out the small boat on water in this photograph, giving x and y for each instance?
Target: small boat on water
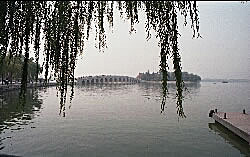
(224, 82)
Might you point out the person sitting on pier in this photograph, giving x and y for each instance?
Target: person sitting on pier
(211, 113)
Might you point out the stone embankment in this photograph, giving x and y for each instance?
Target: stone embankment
(11, 87)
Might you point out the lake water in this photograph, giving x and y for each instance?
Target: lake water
(122, 121)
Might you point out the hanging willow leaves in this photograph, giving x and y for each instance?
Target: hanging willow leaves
(64, 27)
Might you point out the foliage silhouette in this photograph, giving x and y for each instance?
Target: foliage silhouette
(65, 26)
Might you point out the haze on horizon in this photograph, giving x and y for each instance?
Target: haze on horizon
(222, 52)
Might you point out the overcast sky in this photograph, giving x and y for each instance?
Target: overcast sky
(222, 52)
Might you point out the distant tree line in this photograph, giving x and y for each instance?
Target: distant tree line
(11, 69)
(147, 76)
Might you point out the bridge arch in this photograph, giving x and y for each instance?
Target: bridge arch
(106, 79)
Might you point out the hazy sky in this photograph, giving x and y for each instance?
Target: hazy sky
(223, 51)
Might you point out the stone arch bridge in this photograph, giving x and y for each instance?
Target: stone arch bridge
(106, 79)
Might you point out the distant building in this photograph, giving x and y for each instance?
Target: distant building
(147, 76)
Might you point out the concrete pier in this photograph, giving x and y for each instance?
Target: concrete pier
(236, 122)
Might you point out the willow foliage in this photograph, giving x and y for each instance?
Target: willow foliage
(65, 25)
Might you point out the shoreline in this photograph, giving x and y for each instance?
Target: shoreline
(12, 87)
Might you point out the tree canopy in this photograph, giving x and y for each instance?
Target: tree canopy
(11, 69)
(64, 26)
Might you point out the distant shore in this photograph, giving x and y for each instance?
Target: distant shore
(228, 80)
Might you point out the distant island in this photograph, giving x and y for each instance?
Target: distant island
(147, 76)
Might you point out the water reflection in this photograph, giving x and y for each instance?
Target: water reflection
(152, 91)
(153, 88)
(191, 87)
(90, 90)
(104, 89)
(231, 138)
(13, 115)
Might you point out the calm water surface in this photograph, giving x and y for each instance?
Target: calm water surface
(122, 120)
